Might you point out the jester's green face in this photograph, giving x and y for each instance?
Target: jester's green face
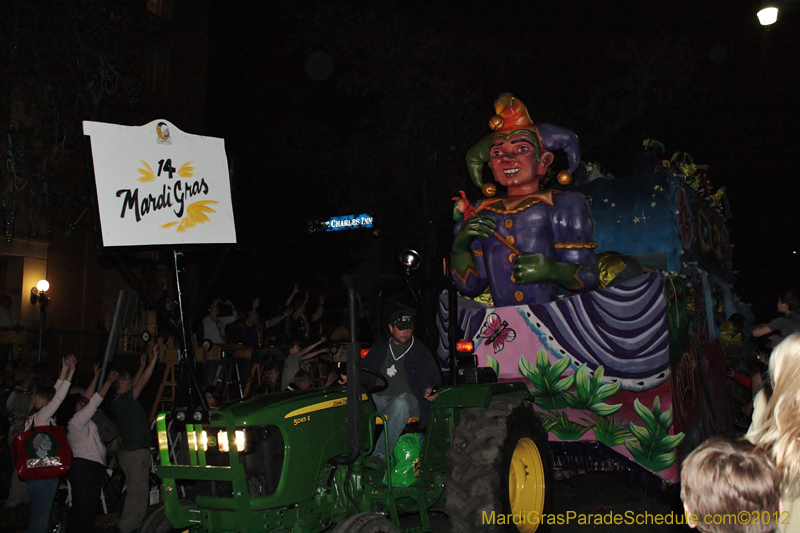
(516, 163)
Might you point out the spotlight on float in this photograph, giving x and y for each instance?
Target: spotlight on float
(410, 260)
(768, 15)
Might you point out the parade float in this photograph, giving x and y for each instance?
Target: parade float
(604, 295)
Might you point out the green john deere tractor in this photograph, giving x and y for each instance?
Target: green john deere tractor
(299, 462)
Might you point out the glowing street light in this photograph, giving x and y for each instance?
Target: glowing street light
(768, 16)
(39, 295)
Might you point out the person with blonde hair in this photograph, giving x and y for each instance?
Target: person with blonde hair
(721, 479)
(776, 425)
(45, 403)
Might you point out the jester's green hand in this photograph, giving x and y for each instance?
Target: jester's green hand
(533, 268)
(477, 227)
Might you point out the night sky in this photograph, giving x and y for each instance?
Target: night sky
(333, 108)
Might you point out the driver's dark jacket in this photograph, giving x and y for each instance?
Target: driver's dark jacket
(422, 371)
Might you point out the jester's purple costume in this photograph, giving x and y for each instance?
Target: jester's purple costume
(523, 246)
(552, 223)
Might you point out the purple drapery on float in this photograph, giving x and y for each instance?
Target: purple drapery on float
(622, 328)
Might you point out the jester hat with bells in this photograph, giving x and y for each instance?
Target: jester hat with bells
(512, 117)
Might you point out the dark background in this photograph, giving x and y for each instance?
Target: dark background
(336, 108)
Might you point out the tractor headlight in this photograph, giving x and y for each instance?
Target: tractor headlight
(238, 439)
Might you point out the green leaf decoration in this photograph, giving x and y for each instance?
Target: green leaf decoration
(590, 392)
(562, 427)
(548, 385)
(603, 409)
(492, 363)
(666, 418)
(648, 417)
(608, 430)
(550, 402)
(641, 435)
(670, 442)
(651, 445)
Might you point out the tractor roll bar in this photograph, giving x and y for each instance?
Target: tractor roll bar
(354, 430)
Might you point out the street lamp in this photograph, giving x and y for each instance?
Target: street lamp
(39, 295)
(768, 15)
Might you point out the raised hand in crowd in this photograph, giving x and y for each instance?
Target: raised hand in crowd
(68, 365)
(110, 379)
(333, 378)
(145, 372)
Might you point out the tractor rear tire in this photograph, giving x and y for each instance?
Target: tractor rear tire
(366, 523)
(486, 490)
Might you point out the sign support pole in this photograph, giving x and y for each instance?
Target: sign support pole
(186, 355)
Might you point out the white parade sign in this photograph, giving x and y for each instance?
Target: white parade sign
(157, 185)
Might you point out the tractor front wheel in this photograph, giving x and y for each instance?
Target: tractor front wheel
(499, 469)
(157, 521)
(366, 523)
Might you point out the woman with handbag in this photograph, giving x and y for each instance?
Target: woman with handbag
(46, 402)
(88, 469)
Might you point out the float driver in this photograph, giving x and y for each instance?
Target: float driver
(527, 244)
(413, 377)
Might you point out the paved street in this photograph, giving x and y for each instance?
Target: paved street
(580, 496)
(603, 493)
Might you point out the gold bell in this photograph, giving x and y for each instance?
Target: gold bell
(564, 177)
(496, 123)
(489, 189)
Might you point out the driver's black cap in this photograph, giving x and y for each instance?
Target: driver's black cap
(402, 320)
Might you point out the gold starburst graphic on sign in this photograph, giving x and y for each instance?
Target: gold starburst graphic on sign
(186, 171)
(195, 214)
(147, 173)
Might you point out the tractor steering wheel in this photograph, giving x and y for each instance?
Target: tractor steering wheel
(378, 388)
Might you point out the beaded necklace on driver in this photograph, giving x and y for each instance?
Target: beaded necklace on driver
(398, 357)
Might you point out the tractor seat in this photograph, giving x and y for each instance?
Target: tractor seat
(411, 420)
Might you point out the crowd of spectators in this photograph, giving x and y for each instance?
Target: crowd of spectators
(289, 341)
(103, 431)
(758, 473)
(748, 369)
(292, 342)
(292, 345)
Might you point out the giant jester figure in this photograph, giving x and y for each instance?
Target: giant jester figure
(525, 245)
